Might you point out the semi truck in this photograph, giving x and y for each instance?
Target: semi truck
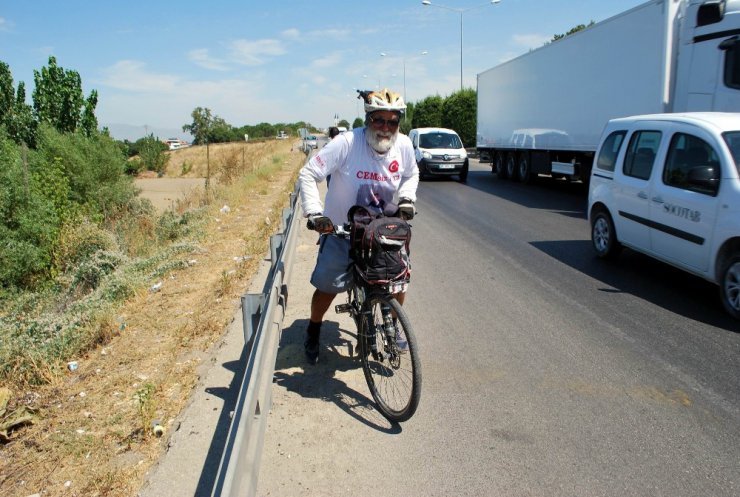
(543, 112)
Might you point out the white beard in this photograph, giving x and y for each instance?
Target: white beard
(378, 141)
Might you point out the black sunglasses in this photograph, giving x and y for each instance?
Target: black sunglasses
(378, 122)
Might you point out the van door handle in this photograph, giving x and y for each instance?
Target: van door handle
(658, 200)
(642, 195)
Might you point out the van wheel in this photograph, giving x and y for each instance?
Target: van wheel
(525, 174)
(604, 236)
(422, 172)
(511, 167)
(499, 167)
(729, 286)
(464, 173)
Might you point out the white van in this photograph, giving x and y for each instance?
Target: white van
(668, 185)
(439, 152)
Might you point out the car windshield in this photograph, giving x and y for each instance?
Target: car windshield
(439, 140)
(732, 138)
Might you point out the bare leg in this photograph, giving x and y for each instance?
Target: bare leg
(320, 303)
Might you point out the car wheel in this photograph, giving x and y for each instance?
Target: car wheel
(422, 171)
(511, 167)
(464, 173)
(524, 171)
(604, 236)
(498, 166)
(729, 286)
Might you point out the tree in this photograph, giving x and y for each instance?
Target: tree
(7, 97)
(220, 131)
(89, 122)
(459, 113)
(58, 98)
(428, 113)
(408, 116)
(200, 129)
(357, 123)
(343, 123)
(200, 126)
(152, 154)
(23, 127)
(15, 115)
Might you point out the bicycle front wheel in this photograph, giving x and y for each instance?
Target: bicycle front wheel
(390, 358)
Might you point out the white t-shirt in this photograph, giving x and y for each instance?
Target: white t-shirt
(359, 175)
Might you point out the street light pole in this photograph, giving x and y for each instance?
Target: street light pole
(461, 50)
(403, 58)
(427, 3)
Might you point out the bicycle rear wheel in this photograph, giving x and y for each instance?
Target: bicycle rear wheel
(393, 375)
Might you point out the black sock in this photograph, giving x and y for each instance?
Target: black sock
(313, 329)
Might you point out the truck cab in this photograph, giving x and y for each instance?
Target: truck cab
(668, 186)
(708, 57)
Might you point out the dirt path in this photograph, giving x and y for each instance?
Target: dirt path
(165, 192)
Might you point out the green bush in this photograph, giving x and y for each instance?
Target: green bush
(134, 166)
(90, 272)
(29, 221)
(152, 155)
(94, 166)
(81, 239)
(171, 226)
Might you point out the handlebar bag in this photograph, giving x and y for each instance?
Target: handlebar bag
(381, 249)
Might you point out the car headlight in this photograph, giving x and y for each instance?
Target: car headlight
(426, 155)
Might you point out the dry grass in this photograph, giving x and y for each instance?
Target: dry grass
(93, 435)
(227, 160)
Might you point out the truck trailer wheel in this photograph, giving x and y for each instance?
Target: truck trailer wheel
(498, 166)
(604, 236)
(729, 286)
(525, 172)
(511, 167)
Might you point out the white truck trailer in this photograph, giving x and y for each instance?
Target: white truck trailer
(543, 112)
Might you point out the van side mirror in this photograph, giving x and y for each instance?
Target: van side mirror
(705, 177)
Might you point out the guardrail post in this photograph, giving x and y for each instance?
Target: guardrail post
(252, 305)
(276, 243)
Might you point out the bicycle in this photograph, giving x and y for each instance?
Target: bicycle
(392, 372)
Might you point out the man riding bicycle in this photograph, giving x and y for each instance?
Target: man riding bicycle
(373, 167)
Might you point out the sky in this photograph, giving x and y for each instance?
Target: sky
(277, 61)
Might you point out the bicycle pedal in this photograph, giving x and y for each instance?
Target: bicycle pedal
(340, 308)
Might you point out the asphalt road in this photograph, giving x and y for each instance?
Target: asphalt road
(546, 371)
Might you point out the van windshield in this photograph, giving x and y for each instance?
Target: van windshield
(439, 140)
(732, 138)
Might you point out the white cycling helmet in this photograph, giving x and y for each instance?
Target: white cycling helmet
(384, 99)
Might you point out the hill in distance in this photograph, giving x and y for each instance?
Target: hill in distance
(133, 132)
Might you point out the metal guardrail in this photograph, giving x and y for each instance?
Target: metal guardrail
(262, 315)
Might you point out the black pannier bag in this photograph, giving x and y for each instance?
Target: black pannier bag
(380, 247)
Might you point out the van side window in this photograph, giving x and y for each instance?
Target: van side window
(610, 150)
(688, 153)
(638, 162)
(732, 139)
